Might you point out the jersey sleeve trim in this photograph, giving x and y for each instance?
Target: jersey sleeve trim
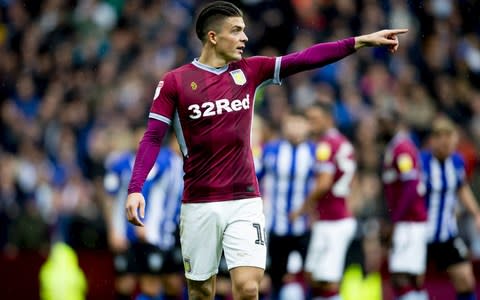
(411, 175)
(276, 72)
(160, 118)
(324, 167)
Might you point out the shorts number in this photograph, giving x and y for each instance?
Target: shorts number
(260, 234)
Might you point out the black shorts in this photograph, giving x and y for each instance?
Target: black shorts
(223, 268)
(449, 253)
(145, 258)
(123, 262)
(279, 249)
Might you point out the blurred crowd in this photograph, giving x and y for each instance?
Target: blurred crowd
(77, 78)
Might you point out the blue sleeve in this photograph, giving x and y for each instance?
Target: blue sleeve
(112, 183)
(260, 168)
(162, 161)
(116, 167)
(424, 161)
(459, 164)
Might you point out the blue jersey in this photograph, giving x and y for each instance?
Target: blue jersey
(442, 180)
(162, 191)
(286, 175)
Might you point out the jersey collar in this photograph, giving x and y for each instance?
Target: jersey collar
(210, 69)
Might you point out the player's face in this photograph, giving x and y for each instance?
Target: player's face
(318, 120)
(231, 39)
(295, 129)
(444, 144)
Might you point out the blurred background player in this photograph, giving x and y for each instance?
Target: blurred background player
(404, 192)
(151, 252)
(285, 173)
(445, 180)
(333, 227)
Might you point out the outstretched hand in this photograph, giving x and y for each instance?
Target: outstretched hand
(135, 201)
(383, 38)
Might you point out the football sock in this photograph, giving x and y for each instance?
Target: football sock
(466, 296)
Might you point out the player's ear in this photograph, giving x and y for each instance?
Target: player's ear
(212, 37)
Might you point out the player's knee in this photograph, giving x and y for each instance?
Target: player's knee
(247, 289)
(200, 290)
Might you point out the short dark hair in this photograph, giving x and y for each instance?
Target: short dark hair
(213, 12)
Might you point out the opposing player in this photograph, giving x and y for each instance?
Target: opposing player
(210, 104)
(151, 253)
(285, 174)
(404, 192)
(444, 175)
(333, 226)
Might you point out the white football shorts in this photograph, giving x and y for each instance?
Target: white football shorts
(237, 227)
(329, 242)
(409, 248)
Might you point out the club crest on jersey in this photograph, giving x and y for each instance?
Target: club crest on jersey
(238, 77)
(193, 85)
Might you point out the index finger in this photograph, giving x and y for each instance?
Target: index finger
(397, 31)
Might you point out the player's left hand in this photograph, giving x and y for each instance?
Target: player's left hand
(294, 215)
(135, 202)
(386, 38)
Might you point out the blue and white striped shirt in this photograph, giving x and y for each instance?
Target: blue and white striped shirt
(286, 175)
(442, 180)
(162, 191)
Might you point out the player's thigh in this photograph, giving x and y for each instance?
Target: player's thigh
(409, 248)
(461, 275)
(201, 230)
(244, 242)
(328, 246)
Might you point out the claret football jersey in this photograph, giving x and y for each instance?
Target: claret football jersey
(211, 110)
(402, 164)
(335, 155)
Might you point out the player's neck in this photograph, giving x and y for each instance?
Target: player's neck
(210, 58)
(439, 156)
